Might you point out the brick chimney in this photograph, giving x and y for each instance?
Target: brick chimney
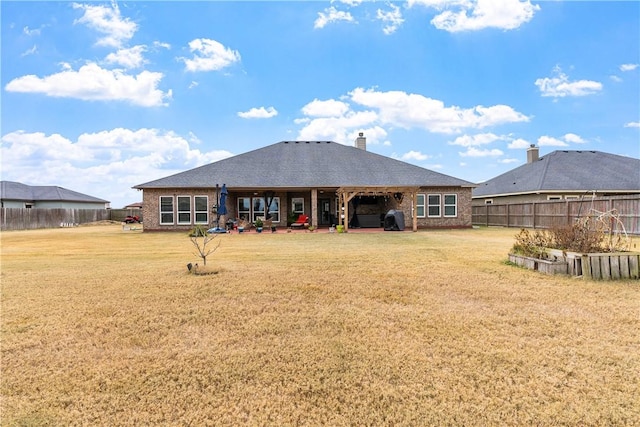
(361, 142)
(533, 153)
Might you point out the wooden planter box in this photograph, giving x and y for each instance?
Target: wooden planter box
(597, 266)
(542, 265)
(611, 266)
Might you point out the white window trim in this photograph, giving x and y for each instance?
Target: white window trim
(444, 205)
(173, 210)
(205, 211)
(439, 206)
(554, 197)
(488, 201)
(239, 213)
(572, 197)
(178, 211)
(255, 213)
(424, 205)
(293, 203)
(277, 211)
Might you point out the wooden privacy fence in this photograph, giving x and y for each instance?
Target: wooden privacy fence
(556, 213)
(26, 219)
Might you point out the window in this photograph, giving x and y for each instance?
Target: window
(184, 210)
(420, 206)
(488, 202)
(450, 205)
(571, 197)
(554, 197)
(258, 207)
(201, 209)
(166, 210)
(433, 207)
(274, 209)
(244, 208)
(297, 205)
(28, 205)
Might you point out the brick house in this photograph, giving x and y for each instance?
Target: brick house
(330, 182)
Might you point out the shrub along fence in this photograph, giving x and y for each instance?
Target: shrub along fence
(556, 213)
(26, 219)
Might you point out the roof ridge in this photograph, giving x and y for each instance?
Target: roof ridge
(545, 168)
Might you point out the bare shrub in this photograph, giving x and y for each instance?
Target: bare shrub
(531, 244)
(201, 240)
(587, 234)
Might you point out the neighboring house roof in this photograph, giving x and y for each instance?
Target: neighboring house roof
(567, 171)
(305, 164)
(10, 190)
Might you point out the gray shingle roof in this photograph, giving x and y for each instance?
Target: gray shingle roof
(567, 171)
(306, 164)
(10, 190)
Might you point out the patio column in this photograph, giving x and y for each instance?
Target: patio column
(314, 207)
(414, 204)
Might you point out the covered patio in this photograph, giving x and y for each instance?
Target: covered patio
(347, 194)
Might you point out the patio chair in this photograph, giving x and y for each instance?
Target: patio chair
(301, 221)
(266, 223)
(246, 225)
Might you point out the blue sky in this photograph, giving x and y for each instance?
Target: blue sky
(100, 96)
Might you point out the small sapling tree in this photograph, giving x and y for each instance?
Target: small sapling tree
(203, 242)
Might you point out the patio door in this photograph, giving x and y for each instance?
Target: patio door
(324, 212)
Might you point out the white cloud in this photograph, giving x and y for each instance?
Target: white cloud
(193, 84)
(209, 55)
(417, 111)
(519, 143)
(351, 2)
(30, 148)
(338, 129)
(392, 18)
(259, 113)
(375, 135)
(474, 152)
(481, 14)
(560, 86)
(440, 4)
(108, 21)
(380, 111)
(615, 78)
(508, 161)
(478, 139)
(331, 14)
(628, 67)
(31, 51)
(573, 138)
(128, 57)
(157, 44)
(328, 108)
(110, 162)
(415, 155)
(632, 125)
(548, 141)
(31, 32)
(93, 83)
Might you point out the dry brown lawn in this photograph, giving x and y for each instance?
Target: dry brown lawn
(105, 327)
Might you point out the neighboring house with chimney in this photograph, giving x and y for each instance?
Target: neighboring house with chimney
(562, 175)
(18, 195)
(331, 183)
